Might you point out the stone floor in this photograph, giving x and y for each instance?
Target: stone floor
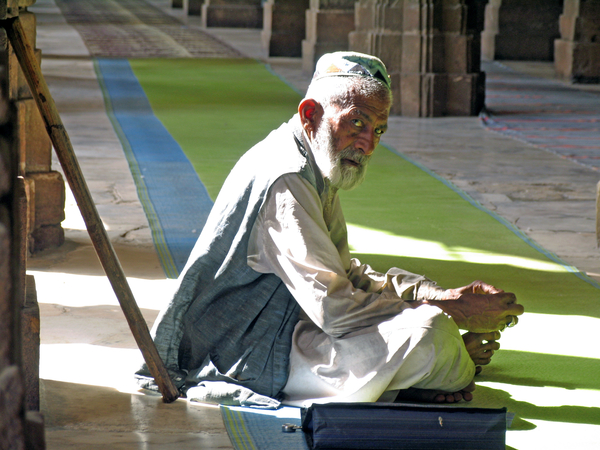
(88, 353)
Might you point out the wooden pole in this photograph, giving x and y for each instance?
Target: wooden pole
(104, 249)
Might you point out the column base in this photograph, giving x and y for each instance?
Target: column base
(436, 95)
(232, 16)
(577, 62)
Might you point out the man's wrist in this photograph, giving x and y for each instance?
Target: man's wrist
(447, 305)
(430, 291)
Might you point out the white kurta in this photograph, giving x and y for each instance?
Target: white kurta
(359, 335)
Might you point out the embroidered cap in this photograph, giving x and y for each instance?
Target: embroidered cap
(348, 64)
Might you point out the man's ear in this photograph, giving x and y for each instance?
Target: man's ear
(310, 112)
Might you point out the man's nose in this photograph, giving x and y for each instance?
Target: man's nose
(366, 143)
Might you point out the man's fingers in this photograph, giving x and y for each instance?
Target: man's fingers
(479, 287)
(515, 309)
(491, 346)
(512, 308)
(507, 298)
(491, 336)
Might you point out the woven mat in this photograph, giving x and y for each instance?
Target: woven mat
(137, 29)
(256, 429)
(544, 113)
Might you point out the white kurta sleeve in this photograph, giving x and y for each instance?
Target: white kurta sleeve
(292, 239)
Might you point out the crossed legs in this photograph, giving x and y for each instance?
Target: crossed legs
(481, 348)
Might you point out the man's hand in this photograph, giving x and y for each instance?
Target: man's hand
(481, 346)
(480, 307)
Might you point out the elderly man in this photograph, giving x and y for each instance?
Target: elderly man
(271, 300)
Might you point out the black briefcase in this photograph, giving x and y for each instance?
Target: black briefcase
(387, 426)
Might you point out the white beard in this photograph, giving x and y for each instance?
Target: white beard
(341, 175)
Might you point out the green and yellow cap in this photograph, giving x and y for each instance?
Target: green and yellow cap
(351, 64)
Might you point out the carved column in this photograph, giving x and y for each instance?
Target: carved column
(284, 27)
(378, 32)
(328, 23)
(432, 50)
(229, 13)
(462, 25)
(577, 52)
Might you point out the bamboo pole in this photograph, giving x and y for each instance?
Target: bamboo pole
(104, 249)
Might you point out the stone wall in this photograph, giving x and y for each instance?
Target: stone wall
(21, 424)
(45, 187)
(11, 385)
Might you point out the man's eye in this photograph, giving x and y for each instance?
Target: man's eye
(379, 131)
(357, 123)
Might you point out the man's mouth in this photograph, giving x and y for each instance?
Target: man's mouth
(350, 162)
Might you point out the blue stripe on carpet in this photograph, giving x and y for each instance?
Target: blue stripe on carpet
(174, 199)
(260, 429)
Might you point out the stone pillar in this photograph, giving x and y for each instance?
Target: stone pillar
(378, 31)
(527, 29)
(328, 23)
(229, 13)
(431, 49)
(490, 30)
(284, 27)
(45, 187)
(577, 52)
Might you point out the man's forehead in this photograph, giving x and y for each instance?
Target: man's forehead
(371, 108)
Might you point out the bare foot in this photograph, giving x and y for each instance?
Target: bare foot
(433, 396)
(481, 346)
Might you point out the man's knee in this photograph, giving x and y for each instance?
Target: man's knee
(450, 366)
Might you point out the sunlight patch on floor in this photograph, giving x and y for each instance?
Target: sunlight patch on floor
(90, 364)
(379, 242)
(73, 218)
(86, 290)
(555, 436)
(554, 335)
(547, 396)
